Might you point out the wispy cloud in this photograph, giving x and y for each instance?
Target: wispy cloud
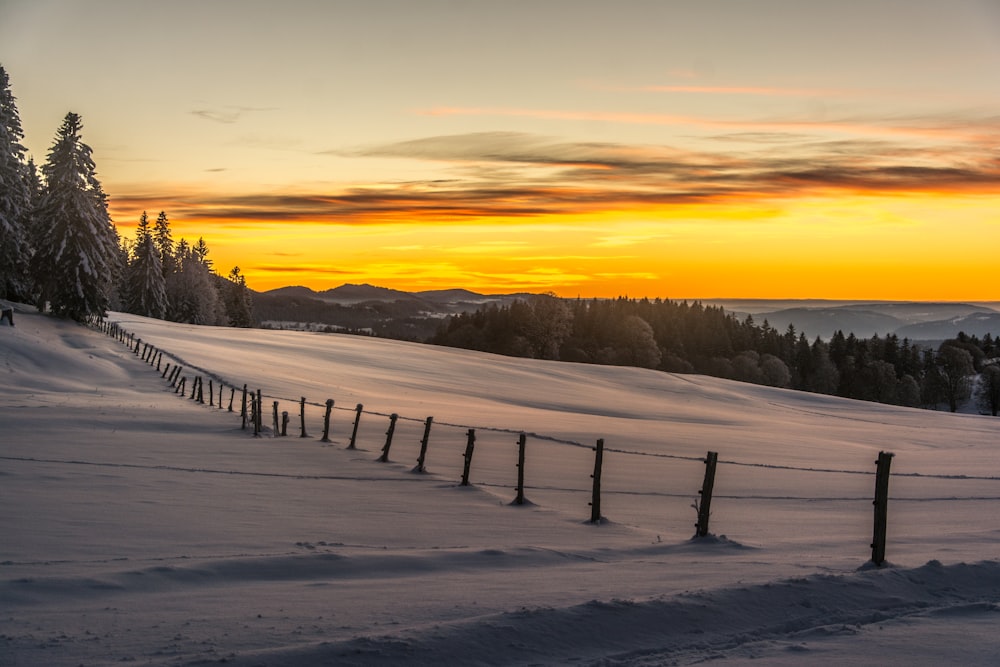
(969, 127)
(769, 91)
(226, 115)
(741, 90)
(311, 269)
(515, 176)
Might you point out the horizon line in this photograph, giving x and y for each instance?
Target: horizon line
(971, 301)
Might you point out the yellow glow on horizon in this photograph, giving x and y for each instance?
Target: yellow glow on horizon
(914, 247)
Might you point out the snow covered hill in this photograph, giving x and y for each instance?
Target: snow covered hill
(142, 526)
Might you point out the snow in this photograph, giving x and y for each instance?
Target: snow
(140, 526)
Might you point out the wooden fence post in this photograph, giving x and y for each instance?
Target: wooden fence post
(881, 503)
(259, 413)
(243, 408)
(221, 387)
(388, 438)
(284, 423)
(276, 429)
(302, 417)
(201, 390)
(326, 421)
(180, 387)
(705, 504)
(166, 370)
(595, 503)
(232, 395)
(357, 420)
(211, 394)
(470, 445)
(255, 408)
(423, 445)
(521, 443)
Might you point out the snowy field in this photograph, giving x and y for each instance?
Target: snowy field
(138, 526)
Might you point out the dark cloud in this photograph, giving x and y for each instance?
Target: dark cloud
(311, 270)
(521, 176)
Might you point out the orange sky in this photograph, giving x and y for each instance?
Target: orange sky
(883, 247)
(679, 150)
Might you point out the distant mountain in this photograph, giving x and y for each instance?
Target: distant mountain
(462, 300)
(348, 293)
(449, 295)
(974, 324)
(824, 322)
(914, 311)
(291, 291)
(913, 320)
(370, 309)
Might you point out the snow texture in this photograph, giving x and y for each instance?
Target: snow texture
(142, 527)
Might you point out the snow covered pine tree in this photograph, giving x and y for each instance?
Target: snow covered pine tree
(145, 289)
(76, 260)
(15, 200)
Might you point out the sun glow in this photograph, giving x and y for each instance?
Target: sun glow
(875, 247)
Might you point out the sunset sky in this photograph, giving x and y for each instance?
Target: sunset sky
(726, 149)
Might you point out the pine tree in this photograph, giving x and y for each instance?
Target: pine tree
(238, 302)
(34, 182)
(191, 290)
(164, 244)
(75, 266)
(201, 250)
(146, 291)
(15, 200)
(989, 389)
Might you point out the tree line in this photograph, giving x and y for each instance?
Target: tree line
(687, 337)
(60, 250)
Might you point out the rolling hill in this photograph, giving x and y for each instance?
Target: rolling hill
(141, 525)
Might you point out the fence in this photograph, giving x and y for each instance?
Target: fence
(250, 404)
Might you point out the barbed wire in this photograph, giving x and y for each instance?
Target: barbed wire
(575, 443)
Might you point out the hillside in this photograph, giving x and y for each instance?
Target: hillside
(416, 315)
(142, 526)
(381, 311)
(913, 320)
